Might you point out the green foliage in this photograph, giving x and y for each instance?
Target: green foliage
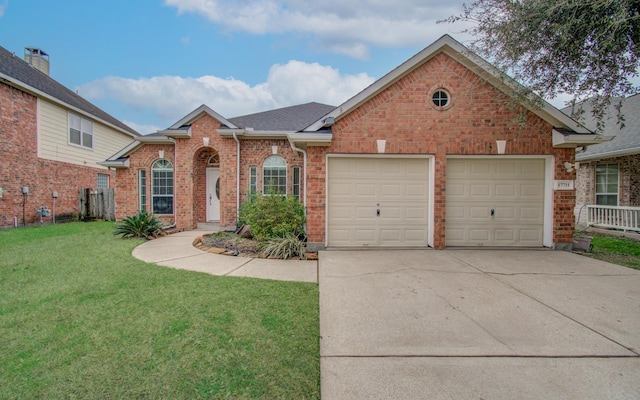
(142, 225)
(284, 247)
(90, 321)
(587, 49)
(273, 216)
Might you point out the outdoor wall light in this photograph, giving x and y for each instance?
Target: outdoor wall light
(570, 167)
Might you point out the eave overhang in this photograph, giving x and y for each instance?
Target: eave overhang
(608, 154)
(298, 138)
(180, 133)
(563, 139)
(119, 163)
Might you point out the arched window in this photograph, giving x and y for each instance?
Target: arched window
(162, 189)
(274, 175)
(214, 160)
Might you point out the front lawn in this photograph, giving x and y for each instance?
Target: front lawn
(81, 318)
(616, 250)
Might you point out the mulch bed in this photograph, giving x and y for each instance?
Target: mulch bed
(235, 246)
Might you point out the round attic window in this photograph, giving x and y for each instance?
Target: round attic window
(441, 98)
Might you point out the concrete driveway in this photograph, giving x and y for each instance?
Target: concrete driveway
(477, 324)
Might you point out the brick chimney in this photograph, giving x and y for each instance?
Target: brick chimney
(37, 59)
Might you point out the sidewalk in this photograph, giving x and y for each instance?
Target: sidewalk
(177, 251)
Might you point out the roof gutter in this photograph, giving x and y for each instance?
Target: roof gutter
(608, 154)
(562, 140)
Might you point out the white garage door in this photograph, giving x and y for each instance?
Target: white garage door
(377, 202)
(495, 202)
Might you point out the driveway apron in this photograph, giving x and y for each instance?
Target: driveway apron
(477, 324)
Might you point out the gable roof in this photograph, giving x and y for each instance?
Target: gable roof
(627, 139)
(18, 73)
(467, 58)
(291, 119)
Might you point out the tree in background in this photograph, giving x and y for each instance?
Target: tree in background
(589, 49)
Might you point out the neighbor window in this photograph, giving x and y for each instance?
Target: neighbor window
(103, 180)
(295, 185)
(162, 189)
(440, 98)
(274, 175)
(607, 184)
(253, 180)
(80, 131)
(142, 189)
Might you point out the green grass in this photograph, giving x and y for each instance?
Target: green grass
(616, 250)
(81, 318)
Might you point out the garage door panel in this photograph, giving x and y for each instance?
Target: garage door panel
(398, 185)
(512, 188)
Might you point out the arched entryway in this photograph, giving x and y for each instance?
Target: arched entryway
(207, 185)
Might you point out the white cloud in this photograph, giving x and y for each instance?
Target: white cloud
(343, 26)
(143, 128)
(172, 97)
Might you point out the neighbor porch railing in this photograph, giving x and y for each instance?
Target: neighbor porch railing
(625, 218)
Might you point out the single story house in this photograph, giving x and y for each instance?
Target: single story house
(608, 174)
(433, 154)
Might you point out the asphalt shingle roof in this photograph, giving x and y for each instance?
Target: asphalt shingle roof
(18, 69)
(289, 119)
(626, 139)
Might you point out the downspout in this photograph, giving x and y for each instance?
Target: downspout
(304, 163)
(237, 176)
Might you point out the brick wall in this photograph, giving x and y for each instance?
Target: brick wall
(20, 166)
(404, 115)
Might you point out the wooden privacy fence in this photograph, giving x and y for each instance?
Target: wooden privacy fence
(96, 204)
(625, 218)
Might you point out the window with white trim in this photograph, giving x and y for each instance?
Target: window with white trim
(103, 180)
(295, 184)
(607, 184)
(440, 98)
(253, 180)
(162, 187)
(80, 131)
(274, 175)
(142, 189)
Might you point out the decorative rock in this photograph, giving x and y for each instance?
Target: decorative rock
(197, 240)
(216, 250)
(245, 232)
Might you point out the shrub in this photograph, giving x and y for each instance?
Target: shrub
(285, 247)
(142, 224)
(273, 216)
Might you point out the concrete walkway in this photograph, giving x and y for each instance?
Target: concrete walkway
(177, 251)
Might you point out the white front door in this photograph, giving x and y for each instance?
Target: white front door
(213, 194)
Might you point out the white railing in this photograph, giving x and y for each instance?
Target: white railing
(625, 218)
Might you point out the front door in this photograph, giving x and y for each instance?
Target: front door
(213, 194)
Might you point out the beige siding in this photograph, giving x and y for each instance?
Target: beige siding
(53, 141)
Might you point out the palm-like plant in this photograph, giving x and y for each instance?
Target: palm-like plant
(142, 224)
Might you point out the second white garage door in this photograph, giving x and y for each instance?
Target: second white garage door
(377, 202)
(495, 202)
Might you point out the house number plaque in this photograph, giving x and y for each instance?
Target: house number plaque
(563, 185)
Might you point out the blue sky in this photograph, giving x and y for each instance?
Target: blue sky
(150, 62)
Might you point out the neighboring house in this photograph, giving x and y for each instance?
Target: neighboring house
(609, 173)
(430, 155)
(50, 142)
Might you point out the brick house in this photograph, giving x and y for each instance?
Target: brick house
(429, 155)
(50, 142)
(609, 173)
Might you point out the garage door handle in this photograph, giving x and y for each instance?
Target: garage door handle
(493, 212)
(377, 212)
